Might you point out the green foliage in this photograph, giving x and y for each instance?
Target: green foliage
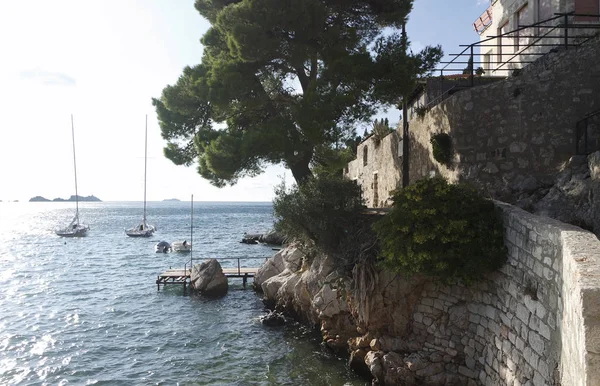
(441, 230)
(421, 111)
(324, 213)
(380, 130)
(467, 70)
(284, 82)
(443, 151)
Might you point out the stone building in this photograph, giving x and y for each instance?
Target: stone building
(504, 16)
(377, 168)
(509, 137)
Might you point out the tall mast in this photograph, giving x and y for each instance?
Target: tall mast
(75, 169)
(145, 166)
(192, 229)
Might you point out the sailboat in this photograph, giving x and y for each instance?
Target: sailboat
(143, 229)
(185, 246)
(75, 228)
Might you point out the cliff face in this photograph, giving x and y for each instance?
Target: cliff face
(532, 322)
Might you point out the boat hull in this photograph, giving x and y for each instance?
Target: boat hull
(79, 232)
(179, 246)
(135, 233)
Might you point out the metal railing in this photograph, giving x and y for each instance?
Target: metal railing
(238, 259)
(527, 44)
(587, 134)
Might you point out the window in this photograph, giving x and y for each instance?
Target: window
(502, 42)
(487, 61)
(375, 191)
(521, 18)
(365, 155)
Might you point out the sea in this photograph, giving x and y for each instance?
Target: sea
(86, 311)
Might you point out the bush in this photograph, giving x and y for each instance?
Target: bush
(441, 230)
(324, 213)
(442, 148)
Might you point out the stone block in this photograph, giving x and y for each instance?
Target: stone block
(543, 369)
(467, 372)
(544, 330)
(537, 343)
(418, 317)
(538, 380)
(540, 310)
(523, 313)
(519, 344)
(439, 304)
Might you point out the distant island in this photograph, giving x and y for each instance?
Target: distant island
(72, 198)
(171, 199)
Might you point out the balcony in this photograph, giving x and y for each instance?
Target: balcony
(483, 21)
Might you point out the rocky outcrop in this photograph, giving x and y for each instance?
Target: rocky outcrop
(208, 278)
(366, 313)
(526, 323)
(572, 198)
(271, 238)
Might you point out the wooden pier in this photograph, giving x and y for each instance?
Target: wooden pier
(182, 276)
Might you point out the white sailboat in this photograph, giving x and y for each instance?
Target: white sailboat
(75, 228)
(143, 229)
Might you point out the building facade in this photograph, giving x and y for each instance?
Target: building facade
(499, 55)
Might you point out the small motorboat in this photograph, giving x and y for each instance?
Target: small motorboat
(181, 246)
(162, 247)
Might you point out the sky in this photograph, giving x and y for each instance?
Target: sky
(102, 62)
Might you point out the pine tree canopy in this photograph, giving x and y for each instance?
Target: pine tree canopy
(283, 80)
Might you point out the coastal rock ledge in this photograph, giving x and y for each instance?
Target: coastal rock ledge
(521, 325)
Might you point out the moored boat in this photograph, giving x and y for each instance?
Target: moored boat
(181, 246)
(162, 247)
(143, 229)
(75, 228)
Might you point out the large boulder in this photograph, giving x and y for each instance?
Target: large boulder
(208, 278)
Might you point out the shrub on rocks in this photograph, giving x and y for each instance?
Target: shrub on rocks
(441, 230)
(324, 213)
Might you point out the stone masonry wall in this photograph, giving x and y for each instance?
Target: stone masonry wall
(514, 134)
(383, 160)
(535, 322)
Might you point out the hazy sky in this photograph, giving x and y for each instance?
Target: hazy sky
(103, 61)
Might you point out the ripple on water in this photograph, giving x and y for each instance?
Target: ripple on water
(86, 311)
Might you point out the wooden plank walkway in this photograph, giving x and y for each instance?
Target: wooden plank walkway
(182, 276)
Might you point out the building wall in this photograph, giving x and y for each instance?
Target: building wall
(508, 15)
(507, 133)
(382, 160)
(535, 322)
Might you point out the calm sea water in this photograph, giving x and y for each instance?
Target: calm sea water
(87, 311)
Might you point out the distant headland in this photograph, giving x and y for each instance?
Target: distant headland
(72, 198)
(171, 199)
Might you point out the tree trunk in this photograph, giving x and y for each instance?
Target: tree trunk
(299, 167)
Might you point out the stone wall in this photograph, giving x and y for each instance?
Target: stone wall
(383, 163)
(537, 321)
(516, 132)
(534, 322)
